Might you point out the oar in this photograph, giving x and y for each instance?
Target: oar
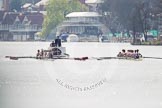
(153, 57)
(16, 58)
(72, 58)
(66, 54)
(104, 58)
(12, 58)
(96, 58)
(108, 57)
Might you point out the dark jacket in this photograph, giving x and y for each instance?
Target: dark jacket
(58, 42)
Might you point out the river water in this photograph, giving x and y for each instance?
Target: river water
(31, 83)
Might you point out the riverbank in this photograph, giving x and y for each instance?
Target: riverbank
(153, 43)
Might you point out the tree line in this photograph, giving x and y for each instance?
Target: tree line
(56, 12)
(16, 4)
(138, 16)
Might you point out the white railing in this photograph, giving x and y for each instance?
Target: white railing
(20, 28)
(24, 28)
(81, 24)
(81, 21)
(4, 27)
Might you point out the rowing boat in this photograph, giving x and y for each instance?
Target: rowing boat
(52, 53)
(120, 58)
(47, 58)
(130, 58)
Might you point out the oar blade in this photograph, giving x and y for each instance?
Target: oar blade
(14, 58)
(153, 57)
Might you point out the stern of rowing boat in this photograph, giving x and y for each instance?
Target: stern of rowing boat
(58, 52)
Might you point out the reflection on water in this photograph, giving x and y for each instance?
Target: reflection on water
(30, 83)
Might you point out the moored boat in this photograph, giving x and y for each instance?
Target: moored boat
(72, 38)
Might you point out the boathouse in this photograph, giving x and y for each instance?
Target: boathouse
(81, 23)
(19, 26)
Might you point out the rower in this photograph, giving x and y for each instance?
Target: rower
(137, 55)
(38, 54)
(120, 54)
(123, 52)
(130, 53)
(42, 53)
(50, 55)
(52, 44)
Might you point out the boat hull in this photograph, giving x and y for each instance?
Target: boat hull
(56, 52)
(130, 58)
